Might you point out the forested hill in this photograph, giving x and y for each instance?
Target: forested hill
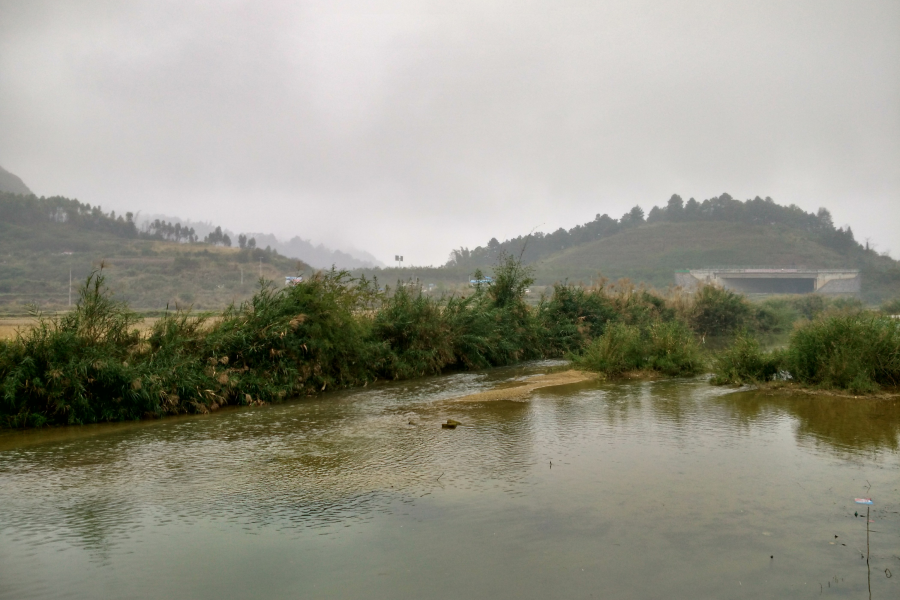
(724, 208)
(43, 240)
(719, 231)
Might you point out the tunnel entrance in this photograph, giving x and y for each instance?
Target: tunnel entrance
(773, 280)
(770, 285)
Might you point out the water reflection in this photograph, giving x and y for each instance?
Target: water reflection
(641, 472)
(836, 424)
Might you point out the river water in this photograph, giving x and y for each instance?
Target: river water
(660, 489)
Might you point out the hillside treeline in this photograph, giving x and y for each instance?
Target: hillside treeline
(33, 210)
(757, 211)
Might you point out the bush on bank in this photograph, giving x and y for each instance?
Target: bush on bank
(857, 351)
(668, 347)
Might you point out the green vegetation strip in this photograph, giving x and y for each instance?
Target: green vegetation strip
(333, 331)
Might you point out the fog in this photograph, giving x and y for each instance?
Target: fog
(413, 128)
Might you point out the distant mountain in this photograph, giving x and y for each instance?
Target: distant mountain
(320, 257)
(12, 183)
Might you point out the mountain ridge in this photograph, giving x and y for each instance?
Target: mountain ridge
(12, 183)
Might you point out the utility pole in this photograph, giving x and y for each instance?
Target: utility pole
(260, 268)
(70, 288)
(242, 275)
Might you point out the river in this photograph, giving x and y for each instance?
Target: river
(638, 489)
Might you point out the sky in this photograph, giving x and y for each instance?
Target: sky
(415, 127)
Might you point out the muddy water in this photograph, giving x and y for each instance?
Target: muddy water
(665, 489)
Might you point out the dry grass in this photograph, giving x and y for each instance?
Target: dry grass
(9, 325)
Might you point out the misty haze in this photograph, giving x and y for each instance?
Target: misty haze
(449, 300)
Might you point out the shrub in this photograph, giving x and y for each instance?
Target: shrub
(745, 362)
(618, 350)
(666, 347)
(856, 351)
(775, 315)
(718, 312)
(572, 316)
(673, 350)
(415, 333)
(78, 368)
(809, 306)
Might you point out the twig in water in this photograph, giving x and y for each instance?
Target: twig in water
(868, 567)
(439, 476)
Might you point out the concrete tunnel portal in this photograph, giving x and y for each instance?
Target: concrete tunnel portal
(774, 280)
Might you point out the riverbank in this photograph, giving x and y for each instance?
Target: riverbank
(787, 388)
(330, 332)
(103, 362)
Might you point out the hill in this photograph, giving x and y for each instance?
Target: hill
(12, 183)
(653, 252)
(319, 256)
(716, 232)
(43, 240)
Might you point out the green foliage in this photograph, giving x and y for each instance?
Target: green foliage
(718, 311)
(809, 306)
(511, 278)
(724, 208)
(745, 362)
(75, 369)
(774, 317)
(417, 335)
(854, 351)
(858, 352)
(331, 331)
(572, 315)
(618, 350)
(666, 347)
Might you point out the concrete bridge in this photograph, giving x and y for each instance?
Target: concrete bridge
(774, 280)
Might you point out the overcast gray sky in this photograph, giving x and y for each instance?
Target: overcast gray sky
(416, 127)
